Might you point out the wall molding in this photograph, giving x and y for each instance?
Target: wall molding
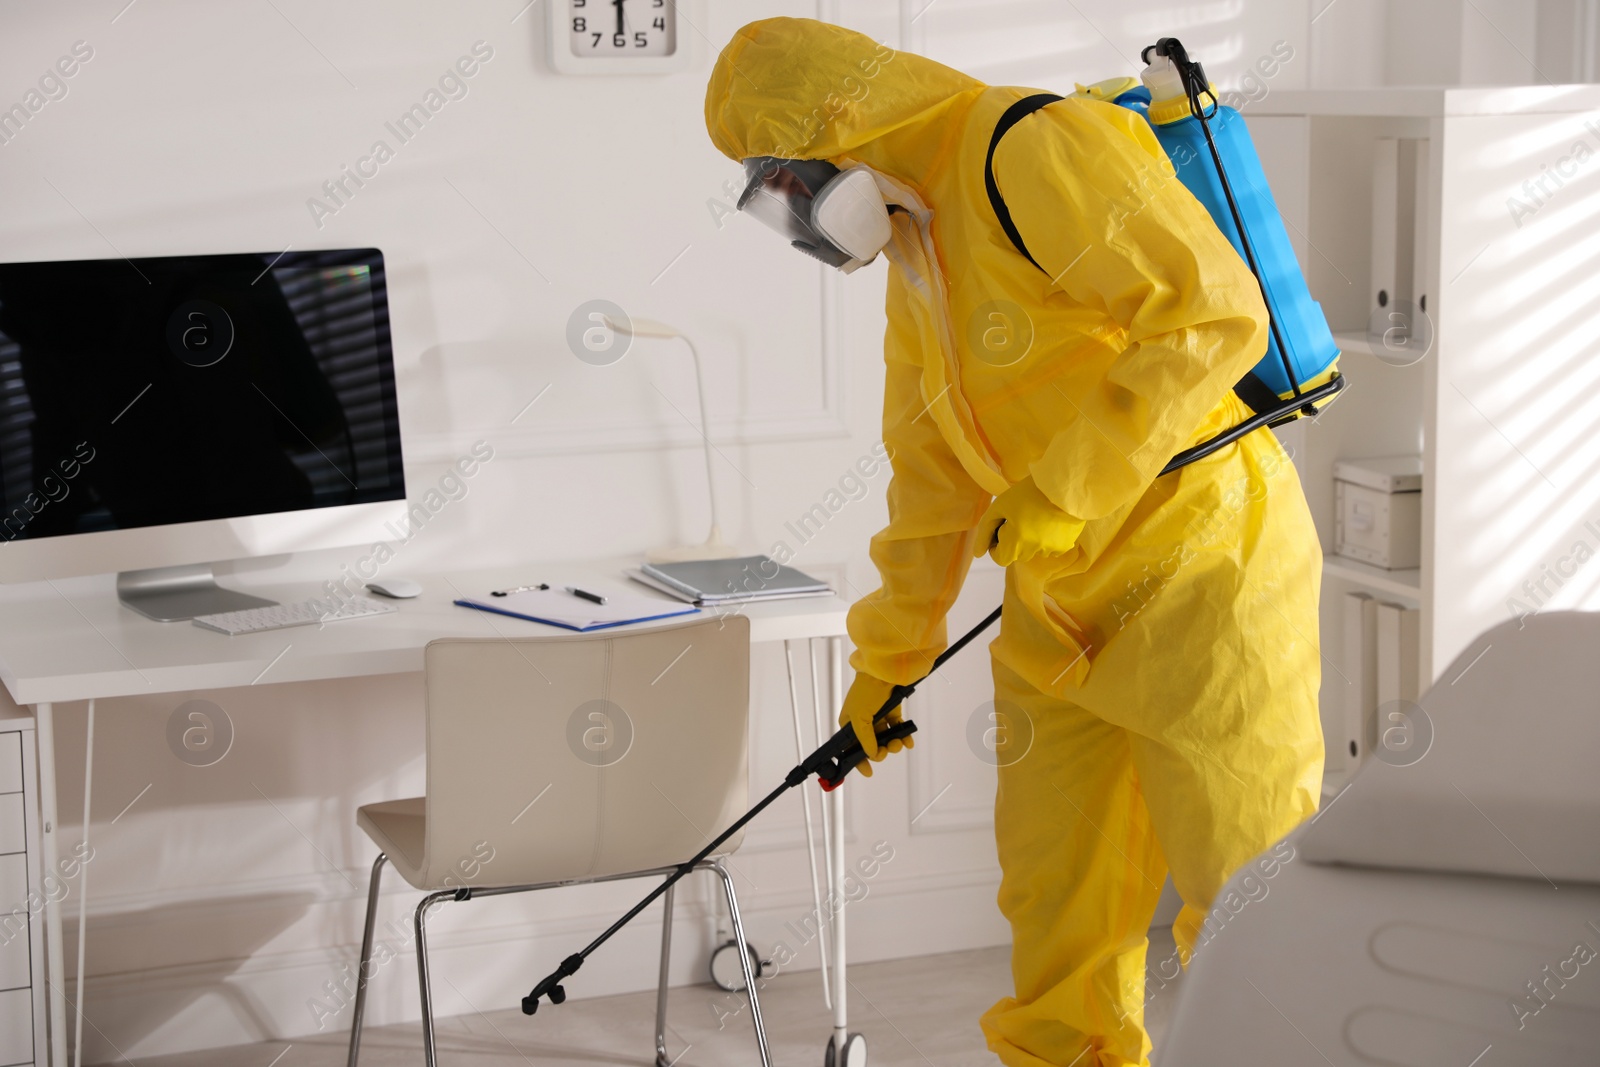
(830, 419)
(913, 31)
(923, 790)
(985, 583)
(524, 442)
(941, 818)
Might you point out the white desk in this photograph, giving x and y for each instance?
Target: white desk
(72, 640)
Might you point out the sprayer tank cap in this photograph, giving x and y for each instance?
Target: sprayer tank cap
(1162, 79)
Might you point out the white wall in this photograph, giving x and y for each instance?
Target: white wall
(224, 898)
(1369, 43)
(1053, 45)
(1568, 40)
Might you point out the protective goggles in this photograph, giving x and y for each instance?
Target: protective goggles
(837, 216)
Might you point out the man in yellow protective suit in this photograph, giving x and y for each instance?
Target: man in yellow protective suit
(1157, 664)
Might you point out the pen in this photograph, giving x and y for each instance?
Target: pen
(586, 595)
(519, 589)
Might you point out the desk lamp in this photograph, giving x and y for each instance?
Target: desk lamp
(714, 547)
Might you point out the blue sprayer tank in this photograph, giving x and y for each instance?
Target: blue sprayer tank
(1312, 350)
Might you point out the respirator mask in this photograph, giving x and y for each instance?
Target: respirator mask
(836, 216)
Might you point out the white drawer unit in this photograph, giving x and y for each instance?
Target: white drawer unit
(15, 957)
(13, 823)
(10, 760)
(16, 1026)
(22, 979)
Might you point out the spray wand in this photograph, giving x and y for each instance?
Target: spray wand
(832, 762)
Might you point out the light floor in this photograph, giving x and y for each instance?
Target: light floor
(921, 1012)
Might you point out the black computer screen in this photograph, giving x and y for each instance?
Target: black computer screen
(143, 392)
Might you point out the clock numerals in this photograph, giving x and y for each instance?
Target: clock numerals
(638, 30)
(617, 36)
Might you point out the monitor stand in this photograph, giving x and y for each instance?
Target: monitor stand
(173, 594)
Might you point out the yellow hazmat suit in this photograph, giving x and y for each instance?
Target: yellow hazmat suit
(1161, 665)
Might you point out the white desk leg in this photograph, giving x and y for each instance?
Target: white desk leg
(44, 719)
(83, 889)
(836, 879)
(826, 725)
(824, 728)
(805, 803)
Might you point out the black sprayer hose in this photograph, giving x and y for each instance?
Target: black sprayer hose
(1244, 241)
(1193, 76)
(1266, 418)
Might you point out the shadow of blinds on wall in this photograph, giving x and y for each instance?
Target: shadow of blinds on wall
(334, 309)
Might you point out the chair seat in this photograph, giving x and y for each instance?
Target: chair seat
(396, 827)
(399, 827)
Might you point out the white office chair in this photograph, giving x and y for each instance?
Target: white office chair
(570, 759)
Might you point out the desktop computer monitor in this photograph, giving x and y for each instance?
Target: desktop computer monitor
(161, 414)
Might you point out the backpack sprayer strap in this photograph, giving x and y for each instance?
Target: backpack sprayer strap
(1013, 115)
(1259, 397)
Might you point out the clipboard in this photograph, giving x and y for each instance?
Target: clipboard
(554, 607)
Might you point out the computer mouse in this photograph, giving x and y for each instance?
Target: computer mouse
(397, 588)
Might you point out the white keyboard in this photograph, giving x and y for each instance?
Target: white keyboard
(280, 616)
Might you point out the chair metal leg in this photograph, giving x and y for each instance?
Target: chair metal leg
(366, 959)
(430, 1054)
(425, 988)
(662, 1059)
(744, 961)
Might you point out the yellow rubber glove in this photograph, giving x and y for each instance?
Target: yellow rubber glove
(1022, 523)
(861, 703)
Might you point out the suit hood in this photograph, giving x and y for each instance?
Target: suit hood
(802, 89)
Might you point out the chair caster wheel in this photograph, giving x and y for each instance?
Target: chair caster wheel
(725, 969)
(853, 1055)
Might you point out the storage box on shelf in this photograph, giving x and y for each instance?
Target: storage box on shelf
(1377, 512)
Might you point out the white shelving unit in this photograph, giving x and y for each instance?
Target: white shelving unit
(1406, 584)
(1504, 405)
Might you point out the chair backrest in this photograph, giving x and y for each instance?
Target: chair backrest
(569, 757)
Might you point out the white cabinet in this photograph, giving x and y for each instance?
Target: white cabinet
(22, 984)
(1503, 405)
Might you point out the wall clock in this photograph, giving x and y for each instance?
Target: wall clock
(616, 37)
